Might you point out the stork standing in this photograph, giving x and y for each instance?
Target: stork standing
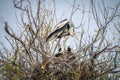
(64, 28)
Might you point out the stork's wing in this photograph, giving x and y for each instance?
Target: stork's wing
(62, 23)
(54, 35)
(61, 28)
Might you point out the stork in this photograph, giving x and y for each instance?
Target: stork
(64, 28)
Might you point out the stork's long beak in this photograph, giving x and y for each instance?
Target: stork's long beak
(72, 33)
(75, 35)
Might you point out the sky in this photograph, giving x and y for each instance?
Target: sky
(7, 13)
(63, 10)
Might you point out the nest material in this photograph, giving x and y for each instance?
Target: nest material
(61, 68)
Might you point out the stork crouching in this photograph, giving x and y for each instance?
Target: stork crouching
(64, 28)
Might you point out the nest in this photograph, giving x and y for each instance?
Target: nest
(64, 67)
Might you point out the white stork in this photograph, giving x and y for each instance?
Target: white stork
(64, 28)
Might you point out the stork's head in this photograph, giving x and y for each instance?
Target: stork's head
(71, 30)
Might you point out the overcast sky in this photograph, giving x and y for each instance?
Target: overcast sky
(63, 8)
